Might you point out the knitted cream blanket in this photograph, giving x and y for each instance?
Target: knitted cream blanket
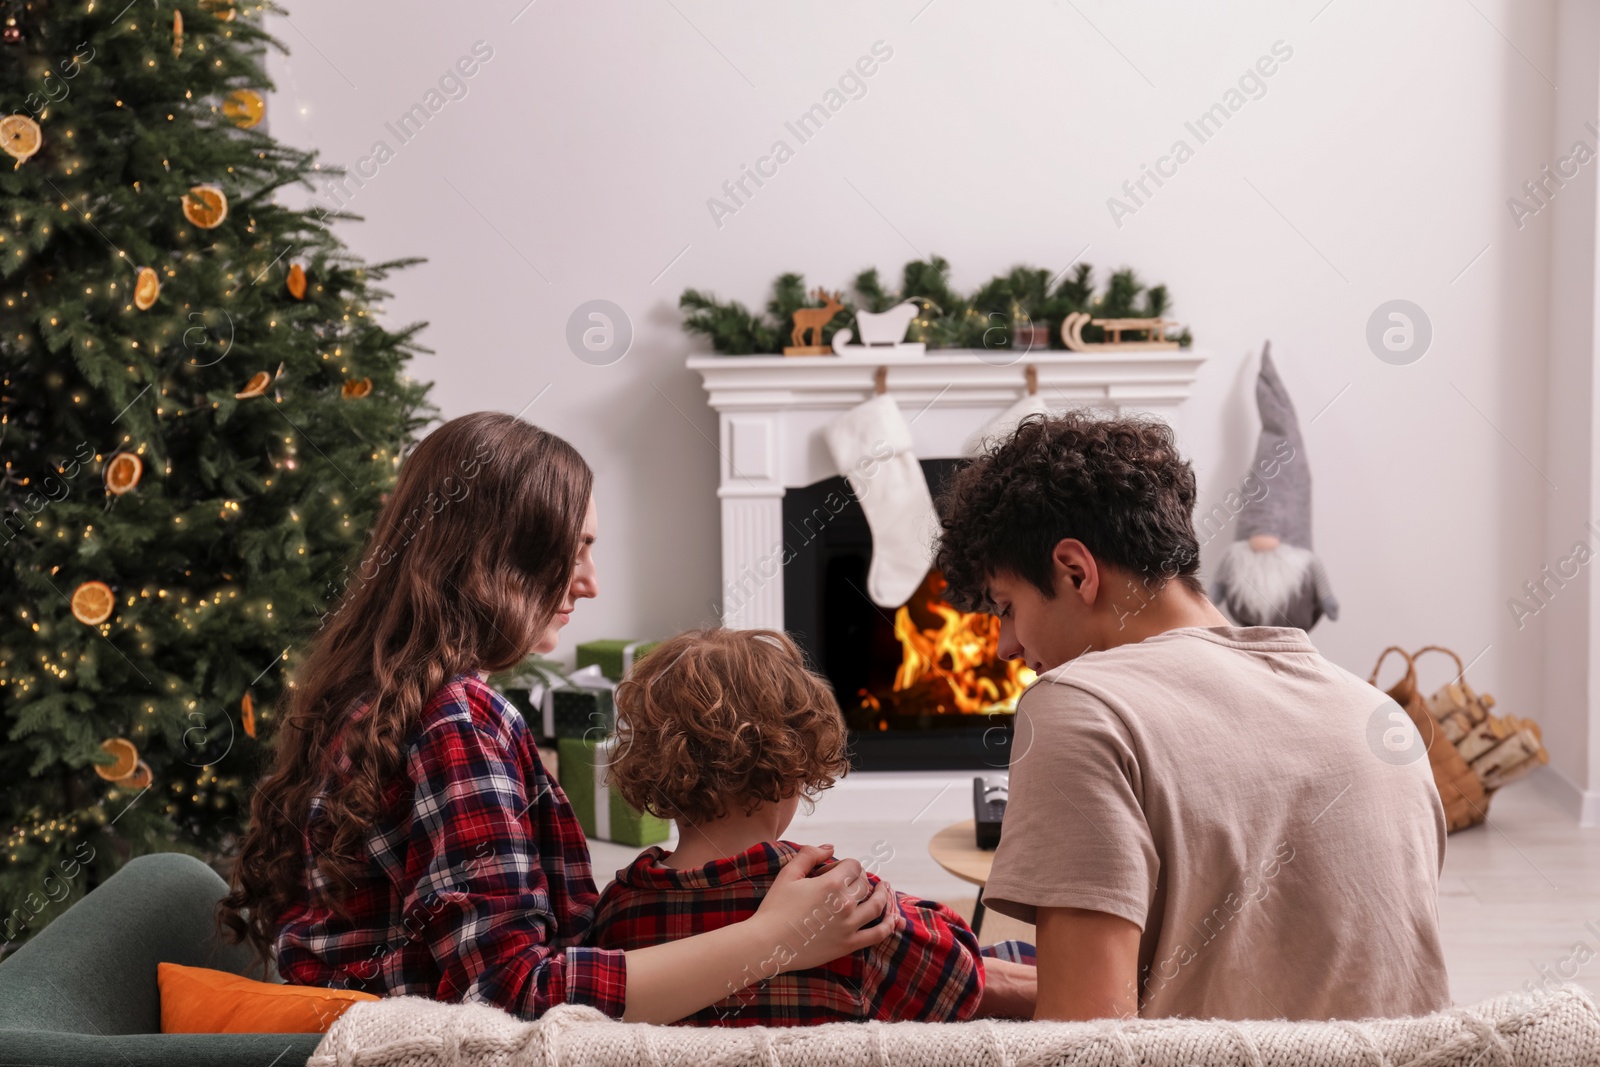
(1555, 1029)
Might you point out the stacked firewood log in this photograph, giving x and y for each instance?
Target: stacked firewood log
(1471, 751)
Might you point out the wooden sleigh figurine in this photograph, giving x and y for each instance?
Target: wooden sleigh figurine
(1155, 331)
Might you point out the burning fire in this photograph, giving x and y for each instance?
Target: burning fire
(951, 663)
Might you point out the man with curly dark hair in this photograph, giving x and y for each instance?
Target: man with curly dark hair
(1204, 820)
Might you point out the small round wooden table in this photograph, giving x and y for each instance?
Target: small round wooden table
(955, 848)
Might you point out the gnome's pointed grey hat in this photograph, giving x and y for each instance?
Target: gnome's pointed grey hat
(1285, 508)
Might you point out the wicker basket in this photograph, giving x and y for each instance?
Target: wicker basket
(1465, 799)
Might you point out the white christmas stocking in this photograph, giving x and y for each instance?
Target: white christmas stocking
(871, 443)
(1003, 425)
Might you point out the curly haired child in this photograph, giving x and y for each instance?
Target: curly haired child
(725, 731)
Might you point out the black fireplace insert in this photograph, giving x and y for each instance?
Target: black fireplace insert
(938, 723)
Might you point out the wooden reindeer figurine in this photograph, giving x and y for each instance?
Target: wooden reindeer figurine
(812, 320)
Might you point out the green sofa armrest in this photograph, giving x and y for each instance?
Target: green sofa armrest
(37, 1048)
(83, 992)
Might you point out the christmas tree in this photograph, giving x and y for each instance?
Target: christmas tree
(199, 416)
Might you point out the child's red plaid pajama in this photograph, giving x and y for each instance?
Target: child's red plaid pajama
(929, 970)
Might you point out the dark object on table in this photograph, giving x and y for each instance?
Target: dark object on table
(988, 809)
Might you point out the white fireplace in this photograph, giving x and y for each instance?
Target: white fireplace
(771, 411)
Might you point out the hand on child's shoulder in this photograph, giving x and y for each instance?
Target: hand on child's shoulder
(827, 865)
(823, 868)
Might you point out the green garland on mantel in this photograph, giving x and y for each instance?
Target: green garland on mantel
(986, 319)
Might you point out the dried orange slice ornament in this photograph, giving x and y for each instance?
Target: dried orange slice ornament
(247, 709)
(123, 472)
(256, 386)
(141, 777)
(146, 288)
(356, 388)
(297, 281)
(126, 756)
(221, 9)
(92, 603)
(244, 108)
(177, 33)
(21, 137)
(205, 206)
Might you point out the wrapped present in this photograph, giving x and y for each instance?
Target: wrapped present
(574, 705)
(602, 813)
(614, 658)
(561, 705)
(525, 687)
(580, 712)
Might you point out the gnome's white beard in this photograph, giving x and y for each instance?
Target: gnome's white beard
(1263, 583)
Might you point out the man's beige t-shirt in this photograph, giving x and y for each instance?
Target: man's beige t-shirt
(1251, 806)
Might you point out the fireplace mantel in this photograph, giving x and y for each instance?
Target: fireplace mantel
(771, 411)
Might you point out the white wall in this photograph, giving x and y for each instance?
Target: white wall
(1376, 166)
(1569, 630)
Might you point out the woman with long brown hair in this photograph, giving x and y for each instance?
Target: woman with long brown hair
(407, 839)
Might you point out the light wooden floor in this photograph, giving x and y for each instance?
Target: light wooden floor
(1515, 895)
(1519, 894)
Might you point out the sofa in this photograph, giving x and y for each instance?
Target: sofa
(83, 993)
(1555, 1029)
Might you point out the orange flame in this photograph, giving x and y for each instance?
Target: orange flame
(956, 658)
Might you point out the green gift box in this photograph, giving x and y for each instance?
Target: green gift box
(602, 813)
(615, 658)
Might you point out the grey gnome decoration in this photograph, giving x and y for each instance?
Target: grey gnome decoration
(1270, 576)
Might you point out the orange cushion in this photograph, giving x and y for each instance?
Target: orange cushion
(197, 1000)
